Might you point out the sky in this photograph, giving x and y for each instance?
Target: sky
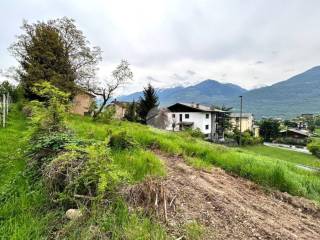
(182, 42)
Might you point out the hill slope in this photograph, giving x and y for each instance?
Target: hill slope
(208, 91)
(299, 94)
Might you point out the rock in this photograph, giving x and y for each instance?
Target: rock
(73, 214)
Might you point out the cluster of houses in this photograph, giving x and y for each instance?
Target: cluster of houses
(179, 116)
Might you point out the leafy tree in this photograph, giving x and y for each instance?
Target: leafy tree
(15, 92)
(120, 76)
(269, 129)
(147, 102)
(131, 113)
(54, 51)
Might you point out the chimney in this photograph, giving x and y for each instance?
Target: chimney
(197, 105)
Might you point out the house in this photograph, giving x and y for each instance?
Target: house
(295, 136)
(120, 108)
(247, 123)
(82, 102)
(191, 115)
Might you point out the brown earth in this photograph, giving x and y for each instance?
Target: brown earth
(231, 207)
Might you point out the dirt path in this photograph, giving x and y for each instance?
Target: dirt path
(233, 208)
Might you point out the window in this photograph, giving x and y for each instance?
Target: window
(207, 127)
(173, 115)
(207, 115)
(186, 115)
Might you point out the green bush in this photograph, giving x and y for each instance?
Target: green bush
(121, 140)
(82, 174)
(248, 139)
(314, 148)
(196, 133)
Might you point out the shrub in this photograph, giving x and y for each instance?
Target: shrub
(107, 115)
(44, 147)
(195, 133)
(82, 174)
(314, 148)
(122, 140)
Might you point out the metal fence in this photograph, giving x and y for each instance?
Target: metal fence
(4, 108)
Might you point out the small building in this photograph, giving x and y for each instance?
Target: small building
(295, 136)
(82, 102)
(120, 108)
(247, 121)
(191, 115)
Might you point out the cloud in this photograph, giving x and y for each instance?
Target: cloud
(184, 42)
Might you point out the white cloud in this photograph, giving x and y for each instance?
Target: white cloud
(250, 43)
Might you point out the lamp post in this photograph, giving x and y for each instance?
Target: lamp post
(240, 140)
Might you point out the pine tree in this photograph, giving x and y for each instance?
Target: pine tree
(147, 102)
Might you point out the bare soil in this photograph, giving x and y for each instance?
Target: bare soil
(231, 207)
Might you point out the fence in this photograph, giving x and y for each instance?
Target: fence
(4, 108)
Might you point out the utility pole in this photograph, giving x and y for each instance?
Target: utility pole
(240, 140)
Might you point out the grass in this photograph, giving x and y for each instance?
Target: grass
(20, 200)
(285, 155)
(268, 171)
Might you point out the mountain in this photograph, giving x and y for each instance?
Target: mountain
(206, 92)
(286, 99)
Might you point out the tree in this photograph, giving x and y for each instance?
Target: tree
(269, 129)
(131, 113)
(54, 51)
(120, 76)
(290, 124)
(147, 102)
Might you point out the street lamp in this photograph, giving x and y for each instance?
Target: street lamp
(240, 140)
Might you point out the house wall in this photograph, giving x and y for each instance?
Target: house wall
(246, 123)
(198, 118)
(81, 103)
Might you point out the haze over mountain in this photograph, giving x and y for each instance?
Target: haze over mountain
(286, 99)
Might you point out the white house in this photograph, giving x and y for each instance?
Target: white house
(184, 115)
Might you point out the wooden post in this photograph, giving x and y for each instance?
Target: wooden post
(3, 110)
(7, 105)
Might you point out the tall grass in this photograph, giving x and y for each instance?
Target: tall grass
(21, 201)
(266, 171)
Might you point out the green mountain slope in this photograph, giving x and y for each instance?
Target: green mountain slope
(299, 94)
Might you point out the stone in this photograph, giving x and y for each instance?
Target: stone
(73, 214)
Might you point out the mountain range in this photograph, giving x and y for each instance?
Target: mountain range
(286, 99)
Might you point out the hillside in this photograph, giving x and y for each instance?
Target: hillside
(156, 185)
(208, 91)
(299, 94)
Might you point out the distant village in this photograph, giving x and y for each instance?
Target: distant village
(214, 124)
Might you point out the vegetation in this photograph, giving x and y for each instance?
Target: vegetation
(267, 171)
(269, 129)
(121, 75)
(285, 155)
(23, 214)
(131, 113)
(147, 102)
(314, 147)
(54, 51)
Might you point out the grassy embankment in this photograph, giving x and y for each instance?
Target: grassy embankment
(285, 155)
(22, 214)
(27, 213)
(264, 170)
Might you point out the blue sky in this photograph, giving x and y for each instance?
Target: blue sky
(174, 42)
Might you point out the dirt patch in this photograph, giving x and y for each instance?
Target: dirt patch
(234, 208)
